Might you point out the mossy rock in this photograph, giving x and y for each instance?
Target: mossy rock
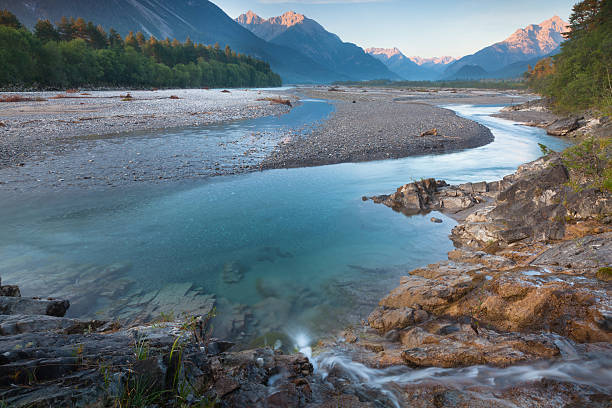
(605, 274)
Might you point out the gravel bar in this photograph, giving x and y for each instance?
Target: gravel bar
(33, 130)
(377, 127)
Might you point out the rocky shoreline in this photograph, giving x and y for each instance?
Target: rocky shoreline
(537, 113)
(530, 280)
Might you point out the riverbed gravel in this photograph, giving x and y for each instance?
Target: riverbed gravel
(45, 125)
(378, 125)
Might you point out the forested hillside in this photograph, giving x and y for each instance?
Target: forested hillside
(580, 76)
(76, 53)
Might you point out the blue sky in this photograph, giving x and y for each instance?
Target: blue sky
(417, 27)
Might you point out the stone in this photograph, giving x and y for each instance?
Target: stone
(431, 132)
(561, 127)
(18, 324)
(385, 320)
(436, 220)
(32, 306)
(233, 272)
(10, 291)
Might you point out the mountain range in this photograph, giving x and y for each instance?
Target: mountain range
(298, 48)
(412, 68)
(505, 59)
(305, 35)
(526, 45)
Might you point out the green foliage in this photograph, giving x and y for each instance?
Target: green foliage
(545, 149)
(590, 163)
(580, 76)
(76, 53)
(141, 349)
(482, 84)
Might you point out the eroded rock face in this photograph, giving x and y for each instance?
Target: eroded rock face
(535, 207)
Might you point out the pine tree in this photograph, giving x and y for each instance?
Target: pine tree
(8, 19)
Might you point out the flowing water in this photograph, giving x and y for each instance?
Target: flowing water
(279, 250)
(593, 370)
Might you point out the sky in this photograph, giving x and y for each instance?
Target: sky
(423, 28)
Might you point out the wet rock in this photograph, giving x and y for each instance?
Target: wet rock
(431, 295)
(436, 220)
(561, 127)
(503, 296)
(31, 306)
(454, 345)
(168, 303)
(384, 319)
(216, 346)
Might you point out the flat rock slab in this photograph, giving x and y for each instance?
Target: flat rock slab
(30, 306)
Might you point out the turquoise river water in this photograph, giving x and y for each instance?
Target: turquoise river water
(304, 250)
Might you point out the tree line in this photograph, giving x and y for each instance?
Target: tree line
(75, 53)
(580, 76)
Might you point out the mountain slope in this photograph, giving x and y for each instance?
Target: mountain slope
(200, 20)
(311, 39)
(413, 68)
(536, 40)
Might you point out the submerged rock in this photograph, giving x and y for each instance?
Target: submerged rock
(233, 272)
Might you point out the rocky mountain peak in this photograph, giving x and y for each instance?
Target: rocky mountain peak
(249, 18)
(540, 38)
(433, 60)
(387, 52)
(288, 19)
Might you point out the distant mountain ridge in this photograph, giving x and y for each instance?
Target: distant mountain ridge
(529, 43)
(445, 60)
(308, 37)
(411, 68)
